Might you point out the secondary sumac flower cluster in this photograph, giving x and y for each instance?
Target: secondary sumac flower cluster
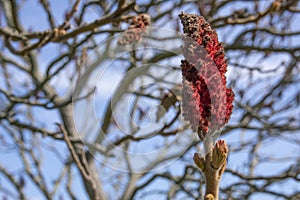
(136, 29)
(207, 102)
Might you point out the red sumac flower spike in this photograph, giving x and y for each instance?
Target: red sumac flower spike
(207, 102)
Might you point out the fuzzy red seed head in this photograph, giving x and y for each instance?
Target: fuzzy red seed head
(207, 102)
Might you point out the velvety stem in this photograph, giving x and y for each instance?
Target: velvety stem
(213, 166)
(212, 179)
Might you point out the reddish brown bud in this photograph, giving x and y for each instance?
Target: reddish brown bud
(136, 29)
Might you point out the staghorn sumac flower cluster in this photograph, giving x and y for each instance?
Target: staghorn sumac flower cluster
(136, 29)
(207, 102)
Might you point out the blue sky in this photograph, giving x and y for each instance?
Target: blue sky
(33, 20)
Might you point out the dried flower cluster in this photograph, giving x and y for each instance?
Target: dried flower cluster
(136, 29)
(207, 102)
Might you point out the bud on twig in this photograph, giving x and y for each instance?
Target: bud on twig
(209, 197)
(199, 161)
(219, 154)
